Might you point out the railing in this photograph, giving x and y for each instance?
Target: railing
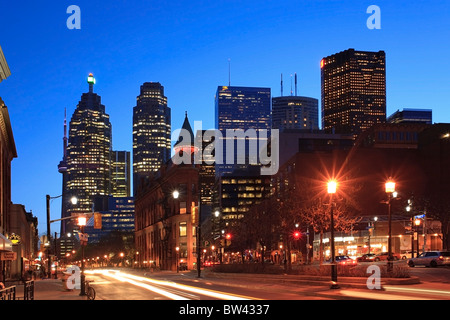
(11, 293)
(28, 290)
(8, 293)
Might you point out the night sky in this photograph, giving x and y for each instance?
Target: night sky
(186, 45)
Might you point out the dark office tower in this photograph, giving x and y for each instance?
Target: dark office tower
(411, 116)
(353, 91)
(207, 172)
(88, 151)
(151, 131)
(240, 108)
(120, 174)
(295, 112)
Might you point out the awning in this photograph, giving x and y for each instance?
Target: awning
(5, 243)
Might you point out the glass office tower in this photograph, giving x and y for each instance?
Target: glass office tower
(88, 151)
(240, 108)
(120, 174)
(151, 131)
(353, 91)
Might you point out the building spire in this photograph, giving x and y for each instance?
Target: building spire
(91, 81)
(182, 144)
(65, 134)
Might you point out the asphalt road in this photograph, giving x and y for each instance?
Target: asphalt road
(138, 285)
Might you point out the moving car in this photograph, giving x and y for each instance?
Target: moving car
(431, 259)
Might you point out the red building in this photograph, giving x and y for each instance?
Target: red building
(166, 214)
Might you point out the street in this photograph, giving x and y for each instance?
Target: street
(130, 284)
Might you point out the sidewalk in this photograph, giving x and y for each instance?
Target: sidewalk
(53, 289)
(50, 289)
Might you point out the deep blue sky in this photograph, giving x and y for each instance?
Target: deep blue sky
(186, 45)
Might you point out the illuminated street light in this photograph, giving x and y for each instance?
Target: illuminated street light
(81, 220)
(74, 201)
(175, 194)
(390, 190)
(332, 187)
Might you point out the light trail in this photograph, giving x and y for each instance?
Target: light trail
(372, 295)
(119, 276)
(418, 290)
(138, 280)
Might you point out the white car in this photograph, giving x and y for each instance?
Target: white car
(431, 259)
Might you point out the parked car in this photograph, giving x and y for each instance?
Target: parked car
(369, 257)
(406, 255)
(343, 260)
(383, 256)
(431, 259)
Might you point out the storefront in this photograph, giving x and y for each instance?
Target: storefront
(6, 255)
(375, 240)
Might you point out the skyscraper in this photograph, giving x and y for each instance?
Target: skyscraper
(89, 151)
(295, 112)
(353, 91)
(240, 108)
(411, 116)
(151, 131)
(120, 174)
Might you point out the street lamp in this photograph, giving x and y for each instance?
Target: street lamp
(178, 252)
(331, 188)
(390, 190)
(74, 201)
(81, 221)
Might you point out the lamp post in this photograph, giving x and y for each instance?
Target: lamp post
(82, 224)
(331, 188)
(390, 190)
(177, 249)
(74, 201)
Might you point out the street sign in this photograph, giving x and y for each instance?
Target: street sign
(8, 256)
(420, 216)
(83, 236)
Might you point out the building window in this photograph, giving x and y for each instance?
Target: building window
(183, 229)
(182, 207)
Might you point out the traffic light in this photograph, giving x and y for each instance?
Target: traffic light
(297, 234)
(228, 239)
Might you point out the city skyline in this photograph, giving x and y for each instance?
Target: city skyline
(46, 79)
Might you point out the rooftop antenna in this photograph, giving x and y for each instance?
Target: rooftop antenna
(296, 84)
(229, 72)
(291, 84)
(65, 134)
(281, 84)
